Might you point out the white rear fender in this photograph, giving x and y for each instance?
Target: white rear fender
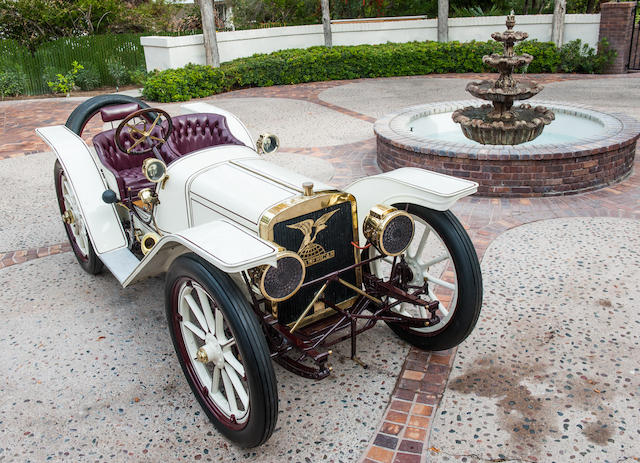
(409, 185)
(88, 184)
(223, 244)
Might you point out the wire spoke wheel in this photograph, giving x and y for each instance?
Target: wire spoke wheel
(222, 350)
(442, 259)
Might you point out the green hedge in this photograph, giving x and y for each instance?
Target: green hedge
(337, 63)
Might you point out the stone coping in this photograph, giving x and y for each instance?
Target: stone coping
(619, 130)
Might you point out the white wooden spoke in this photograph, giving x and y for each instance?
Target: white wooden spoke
(233, 362)
(194, 329)
(436, 260)
(228, 390)
(220, 336)
(195, 309)
(206, 307)
(215, 380)
(228, 344)
(422, 243)
(238, 386)
(439, 282)
(441, 306)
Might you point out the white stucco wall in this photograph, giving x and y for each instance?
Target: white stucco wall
(174, 52)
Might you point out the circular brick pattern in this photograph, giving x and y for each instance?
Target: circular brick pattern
(514, 171)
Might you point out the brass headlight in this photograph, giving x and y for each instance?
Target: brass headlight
(389, 229)
(267, 143)
(154, 169)
(282, 281)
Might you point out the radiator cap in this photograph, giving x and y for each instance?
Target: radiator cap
(308, 188)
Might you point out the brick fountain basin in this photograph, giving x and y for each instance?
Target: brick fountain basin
(582, 150)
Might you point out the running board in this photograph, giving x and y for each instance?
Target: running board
(120, 262)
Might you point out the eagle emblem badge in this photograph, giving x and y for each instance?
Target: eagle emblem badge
(311, 252)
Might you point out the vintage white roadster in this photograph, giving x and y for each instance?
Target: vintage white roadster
(261, 263)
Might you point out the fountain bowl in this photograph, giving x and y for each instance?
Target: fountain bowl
(582, 149)
(525, 125)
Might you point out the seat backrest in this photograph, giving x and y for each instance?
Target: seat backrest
(111, 156)
(192, 132)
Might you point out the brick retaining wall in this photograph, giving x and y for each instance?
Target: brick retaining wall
(520, 175)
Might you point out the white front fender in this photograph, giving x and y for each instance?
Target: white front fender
(226, 246)
(409, 185)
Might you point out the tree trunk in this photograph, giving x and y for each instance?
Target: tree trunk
(557, 32)
(525, 8)
(209, 32)
(443, 20)
(590, 6)
(326, 23)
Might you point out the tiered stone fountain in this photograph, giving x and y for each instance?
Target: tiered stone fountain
(503, 147)
(500, 123)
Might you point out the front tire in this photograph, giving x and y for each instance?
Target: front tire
(222, 350)
(74, 223)
(442, 254)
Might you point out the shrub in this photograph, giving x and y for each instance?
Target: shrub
(65, 83)
(191, 81)
(580, 57)
(12, 82)
(546, 57)
(88, 78)
(342, 62)
(117, 71)
(138, 76)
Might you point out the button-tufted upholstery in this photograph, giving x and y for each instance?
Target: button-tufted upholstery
(191, 132)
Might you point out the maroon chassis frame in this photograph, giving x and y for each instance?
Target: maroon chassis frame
(305, 352)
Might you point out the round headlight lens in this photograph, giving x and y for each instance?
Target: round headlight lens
(389, 229)
(282, 281)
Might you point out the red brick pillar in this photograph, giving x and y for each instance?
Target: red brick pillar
(616, 25)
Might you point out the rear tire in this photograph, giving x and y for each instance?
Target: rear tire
(233, 379)
(74, 224)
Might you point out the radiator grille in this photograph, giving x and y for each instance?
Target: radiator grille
(325, 250)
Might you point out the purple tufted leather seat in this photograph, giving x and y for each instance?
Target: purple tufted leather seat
(191, 132)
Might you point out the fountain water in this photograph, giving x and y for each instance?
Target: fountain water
(500, 123)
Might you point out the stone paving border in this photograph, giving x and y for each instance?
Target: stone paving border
(403, 434)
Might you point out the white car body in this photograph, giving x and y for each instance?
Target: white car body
(215, 197)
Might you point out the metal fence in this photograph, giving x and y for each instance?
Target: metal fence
(56, 57)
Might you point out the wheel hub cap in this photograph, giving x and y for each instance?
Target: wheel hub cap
(211, 352)
(68, 218)
(416, 270)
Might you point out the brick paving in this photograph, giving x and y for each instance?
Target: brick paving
(403, 433)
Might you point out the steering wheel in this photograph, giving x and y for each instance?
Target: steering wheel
(143, 130)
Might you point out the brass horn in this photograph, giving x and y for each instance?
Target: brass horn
(148, 241)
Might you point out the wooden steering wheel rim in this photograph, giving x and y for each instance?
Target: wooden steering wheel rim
(157, 115)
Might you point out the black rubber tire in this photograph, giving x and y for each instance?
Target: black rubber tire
(467, 267)
(90, 262)
(86, 110)
(250, 341)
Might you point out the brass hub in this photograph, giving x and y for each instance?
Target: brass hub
(68, 217)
